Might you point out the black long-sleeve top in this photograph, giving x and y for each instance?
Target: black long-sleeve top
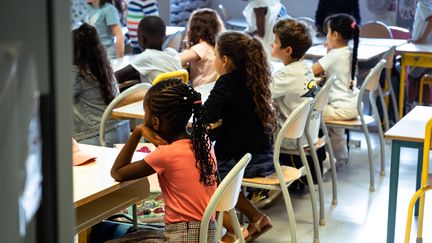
(330, 7)
(242, 130)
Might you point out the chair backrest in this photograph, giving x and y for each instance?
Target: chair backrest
(174, 41)
(400, 33)
(375, 29)
(137, 92)
(294, 125)
(322, 97)
(389, 56)
(370, 83)
(181, 74)
(226, 195)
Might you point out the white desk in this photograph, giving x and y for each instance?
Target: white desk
(136, 110)
(365, 52)
(97, 195)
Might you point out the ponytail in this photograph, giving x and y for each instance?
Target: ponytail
(355, 35)
(175, 102)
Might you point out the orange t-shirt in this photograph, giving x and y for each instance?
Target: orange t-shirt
(186, 198)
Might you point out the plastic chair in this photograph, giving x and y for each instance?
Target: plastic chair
(313, 123)
(375, 29)
(174, 41)
(400, 33)
(224, 199)
(425, 186)
(181, 74)
(232, 23)
(388, 89)
(130, 95)
(361, 123)
(284, 175)
(424, 80)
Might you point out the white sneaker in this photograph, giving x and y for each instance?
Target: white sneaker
(326, 164)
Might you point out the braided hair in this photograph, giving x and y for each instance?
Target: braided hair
(347, 27)
(174, 101)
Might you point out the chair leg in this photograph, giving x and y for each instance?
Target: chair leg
(219, 226)
(421, 91)
(393, 100)
(318, 176)
(311, 191)
(413, 200)
(332, 161)
(236, 225)
(290, 212)
(370, 155)
(384, 108)
(380, 134)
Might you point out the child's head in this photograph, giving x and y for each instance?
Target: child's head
(341, 28)
(240, 52)
(90, 55)
(168, 107)
(151, 32)
(292, 38)
(204, 25)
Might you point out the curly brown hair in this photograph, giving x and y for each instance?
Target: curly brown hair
(204, 24)
(295, 34)
(246, 54)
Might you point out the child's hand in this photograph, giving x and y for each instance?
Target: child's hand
(150, 135)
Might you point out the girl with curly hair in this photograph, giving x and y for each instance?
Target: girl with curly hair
(185, 163)
(241, 98)
(93, 89)
(203, 28)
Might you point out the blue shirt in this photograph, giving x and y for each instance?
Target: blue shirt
(103, 18)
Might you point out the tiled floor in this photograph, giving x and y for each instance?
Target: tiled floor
(360, 216)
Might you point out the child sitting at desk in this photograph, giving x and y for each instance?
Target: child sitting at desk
(294, 82)
(241, 98)
(185, 163)
(93, 89)
(340, 62)
(203, 28)
(153, 60)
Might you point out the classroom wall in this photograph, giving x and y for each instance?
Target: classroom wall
(305, 8)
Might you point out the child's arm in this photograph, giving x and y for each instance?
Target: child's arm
(423, 37)
(188, 56)
(127, 73)
(123, 169)
(117, 32)
(317, 69)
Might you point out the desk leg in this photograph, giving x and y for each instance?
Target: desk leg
(83, 236)
(394, 179)
(402, 87)
(418, 179)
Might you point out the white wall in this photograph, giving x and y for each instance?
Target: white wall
(305, 8)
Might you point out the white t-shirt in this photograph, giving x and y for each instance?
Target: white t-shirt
(337, 63)
(150, 63)
(273, 9)
(202, 71)
(423, 11)
(292, 84)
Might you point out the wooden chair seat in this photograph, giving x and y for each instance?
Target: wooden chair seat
(290, 174)
(350, 123)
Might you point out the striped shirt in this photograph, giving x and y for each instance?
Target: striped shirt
(137, 9)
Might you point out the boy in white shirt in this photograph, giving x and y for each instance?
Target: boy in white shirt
(153, 60)
(295, 81)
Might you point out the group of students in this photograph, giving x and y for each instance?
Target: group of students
(246, 97)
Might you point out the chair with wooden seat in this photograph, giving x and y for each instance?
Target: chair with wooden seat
(388, 89)
(361, 123)
(400, 33)
(313, 123)
(425, 186)
(224, 199)
(375, 29)
(232, 23)
(174, 41)
(283, 176)
(180, 74)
